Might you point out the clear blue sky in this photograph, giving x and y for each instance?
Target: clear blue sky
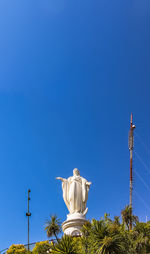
(71, 72)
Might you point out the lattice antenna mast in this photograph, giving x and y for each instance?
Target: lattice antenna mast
(28, 214)
(131, 145)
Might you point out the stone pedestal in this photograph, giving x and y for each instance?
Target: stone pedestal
(73, 224)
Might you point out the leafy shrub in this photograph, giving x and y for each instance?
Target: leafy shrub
(17, 249)
(42, 248)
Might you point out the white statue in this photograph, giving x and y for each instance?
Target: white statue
(75, 192)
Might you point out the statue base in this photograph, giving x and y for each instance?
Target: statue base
(72, 226)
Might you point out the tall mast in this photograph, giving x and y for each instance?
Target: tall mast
(131, 145)
(28, 214)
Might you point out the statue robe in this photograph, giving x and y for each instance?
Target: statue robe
(75, 194)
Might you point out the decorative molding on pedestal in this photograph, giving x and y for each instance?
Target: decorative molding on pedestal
(72, 226)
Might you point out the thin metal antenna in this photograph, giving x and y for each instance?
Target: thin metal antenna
(28, 214)
(131, 145)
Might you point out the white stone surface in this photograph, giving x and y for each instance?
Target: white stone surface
(75, 192)
(75, 195)
(73, 224)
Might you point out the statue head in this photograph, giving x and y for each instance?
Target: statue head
(76, 172)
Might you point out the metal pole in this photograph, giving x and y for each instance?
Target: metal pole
(131, 145)
(28, 214)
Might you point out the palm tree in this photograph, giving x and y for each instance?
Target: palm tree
(53, 227)
(143, 228)
(128, 217)
(96, 232)
(111, 245)
(104, 237)
(65, 246)
(116, 220)
(99, 229)
(141, 238)
(86, 229)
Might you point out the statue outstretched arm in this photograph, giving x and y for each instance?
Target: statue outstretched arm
(62, 179)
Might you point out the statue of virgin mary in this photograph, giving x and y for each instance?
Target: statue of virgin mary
(75, 192)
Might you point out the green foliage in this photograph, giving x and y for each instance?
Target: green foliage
(42, 247)
(53, 227)
(141, 238)
(104, 236)
(111, 244)
(128, 217)
(65, 246)
(17, 249)
(107, 236)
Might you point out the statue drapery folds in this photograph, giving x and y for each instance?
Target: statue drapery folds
(75, 192)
